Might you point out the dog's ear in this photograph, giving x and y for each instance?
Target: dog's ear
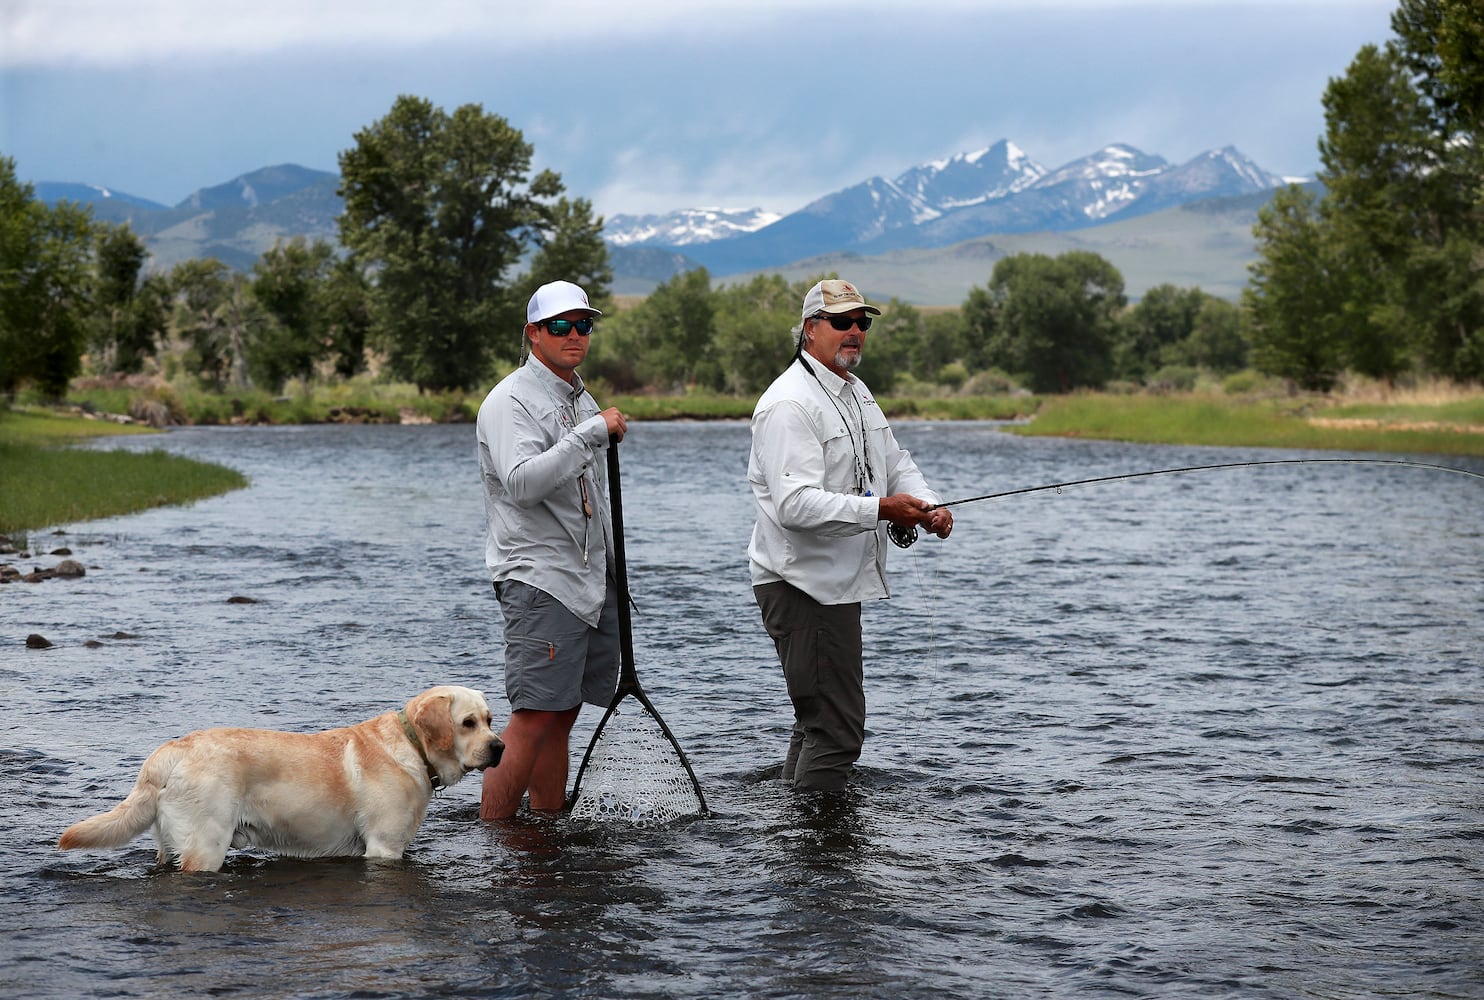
(432, 717)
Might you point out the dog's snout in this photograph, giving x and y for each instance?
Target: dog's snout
(497, 750)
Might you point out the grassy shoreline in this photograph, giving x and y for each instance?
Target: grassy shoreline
(1445, 428)
(43, 483)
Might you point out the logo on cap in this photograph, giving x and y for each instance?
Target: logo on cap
(835, 292)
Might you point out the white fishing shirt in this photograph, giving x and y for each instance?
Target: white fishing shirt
(817, 527)
(541, 455)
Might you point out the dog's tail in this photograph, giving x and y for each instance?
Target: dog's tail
(130, 817)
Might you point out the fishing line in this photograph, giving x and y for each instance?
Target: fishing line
(904, 536)
(930, 676)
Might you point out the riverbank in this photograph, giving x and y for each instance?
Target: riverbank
(1426, 417)
(1439, 425)
(44, 484)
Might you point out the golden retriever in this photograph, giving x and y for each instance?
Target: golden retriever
(358, 791)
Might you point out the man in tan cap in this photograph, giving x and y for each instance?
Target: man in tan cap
(828, 477)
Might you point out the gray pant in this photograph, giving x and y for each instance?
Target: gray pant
(553, 659)
(819, 646)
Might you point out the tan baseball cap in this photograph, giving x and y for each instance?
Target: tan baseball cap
(834, 295)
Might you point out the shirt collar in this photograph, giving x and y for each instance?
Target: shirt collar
(552, 380)
(828, 379)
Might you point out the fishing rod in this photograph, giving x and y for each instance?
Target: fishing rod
(905, 536)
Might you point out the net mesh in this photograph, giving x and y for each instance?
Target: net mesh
(635, 774)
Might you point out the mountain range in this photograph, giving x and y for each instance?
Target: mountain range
(992, 192)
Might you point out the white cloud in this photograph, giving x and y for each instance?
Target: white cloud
(112, 33)
(717, 105)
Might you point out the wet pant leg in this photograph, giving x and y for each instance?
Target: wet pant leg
(819, 647)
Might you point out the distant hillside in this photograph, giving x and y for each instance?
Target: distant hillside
(52, 192)
(1096, 203)
(1206, 245)
(234, 222)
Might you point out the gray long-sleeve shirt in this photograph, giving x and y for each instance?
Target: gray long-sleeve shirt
(547, 520)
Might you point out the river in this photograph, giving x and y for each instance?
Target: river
(1210, 734)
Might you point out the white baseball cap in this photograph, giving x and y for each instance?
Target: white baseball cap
(555, 298)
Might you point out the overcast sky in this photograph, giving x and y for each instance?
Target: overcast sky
(653, 105)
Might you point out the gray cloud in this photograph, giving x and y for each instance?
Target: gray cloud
(741, 103)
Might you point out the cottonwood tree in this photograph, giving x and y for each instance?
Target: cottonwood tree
(1400, 230)
(216, 316)
(667, 341)
(1295, 294)
(1149, 333)
(1049, 320)
(1218, 340)
(752, 323)
(439, 209)
(346, 301)
(291, 282)
(131, 310)
(571, 250)
(46, 287)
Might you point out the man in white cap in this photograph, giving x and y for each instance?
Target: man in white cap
(549, 548)
(828, 477)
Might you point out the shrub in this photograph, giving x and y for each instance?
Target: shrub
(990, 382)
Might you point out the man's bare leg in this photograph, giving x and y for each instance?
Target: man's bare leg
(535, 758)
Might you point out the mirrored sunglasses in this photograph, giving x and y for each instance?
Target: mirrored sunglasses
(563, 327)
(843, 323)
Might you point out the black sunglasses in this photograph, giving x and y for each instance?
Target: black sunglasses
(563, 327)
(843, 323)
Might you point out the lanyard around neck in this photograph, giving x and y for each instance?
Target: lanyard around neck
(864, 475)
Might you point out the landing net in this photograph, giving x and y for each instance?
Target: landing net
(634, 773)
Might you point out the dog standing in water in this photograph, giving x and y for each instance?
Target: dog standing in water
(357, 791)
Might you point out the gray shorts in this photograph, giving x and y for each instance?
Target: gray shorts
(553, 659)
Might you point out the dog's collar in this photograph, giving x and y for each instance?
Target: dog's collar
(417, 744)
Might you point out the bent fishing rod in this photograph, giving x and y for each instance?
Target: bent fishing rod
(905, 536)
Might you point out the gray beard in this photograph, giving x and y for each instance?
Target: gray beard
(847, 363)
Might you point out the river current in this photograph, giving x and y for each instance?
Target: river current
(1210, 734)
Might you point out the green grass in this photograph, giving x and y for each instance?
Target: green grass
(358, 400)
(1463, 411)
(43, 483)
(1215, 420)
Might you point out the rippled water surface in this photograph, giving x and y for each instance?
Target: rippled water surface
(1216, 734)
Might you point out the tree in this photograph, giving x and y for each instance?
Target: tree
(1401, 226)
(943, 344)
(438, 212)
(1051, 321)
(1294, 297)
(347, 296)
(130, 314)
(1217, 341)
(1150, 332)
(667, 340)
(290, 282)
(573, 251)
(1376, 137)
(892, 346)
(1441, 44)
(46, 287)
(216, 315)
(752, 323)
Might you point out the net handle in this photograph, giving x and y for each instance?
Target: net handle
(628, 676)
